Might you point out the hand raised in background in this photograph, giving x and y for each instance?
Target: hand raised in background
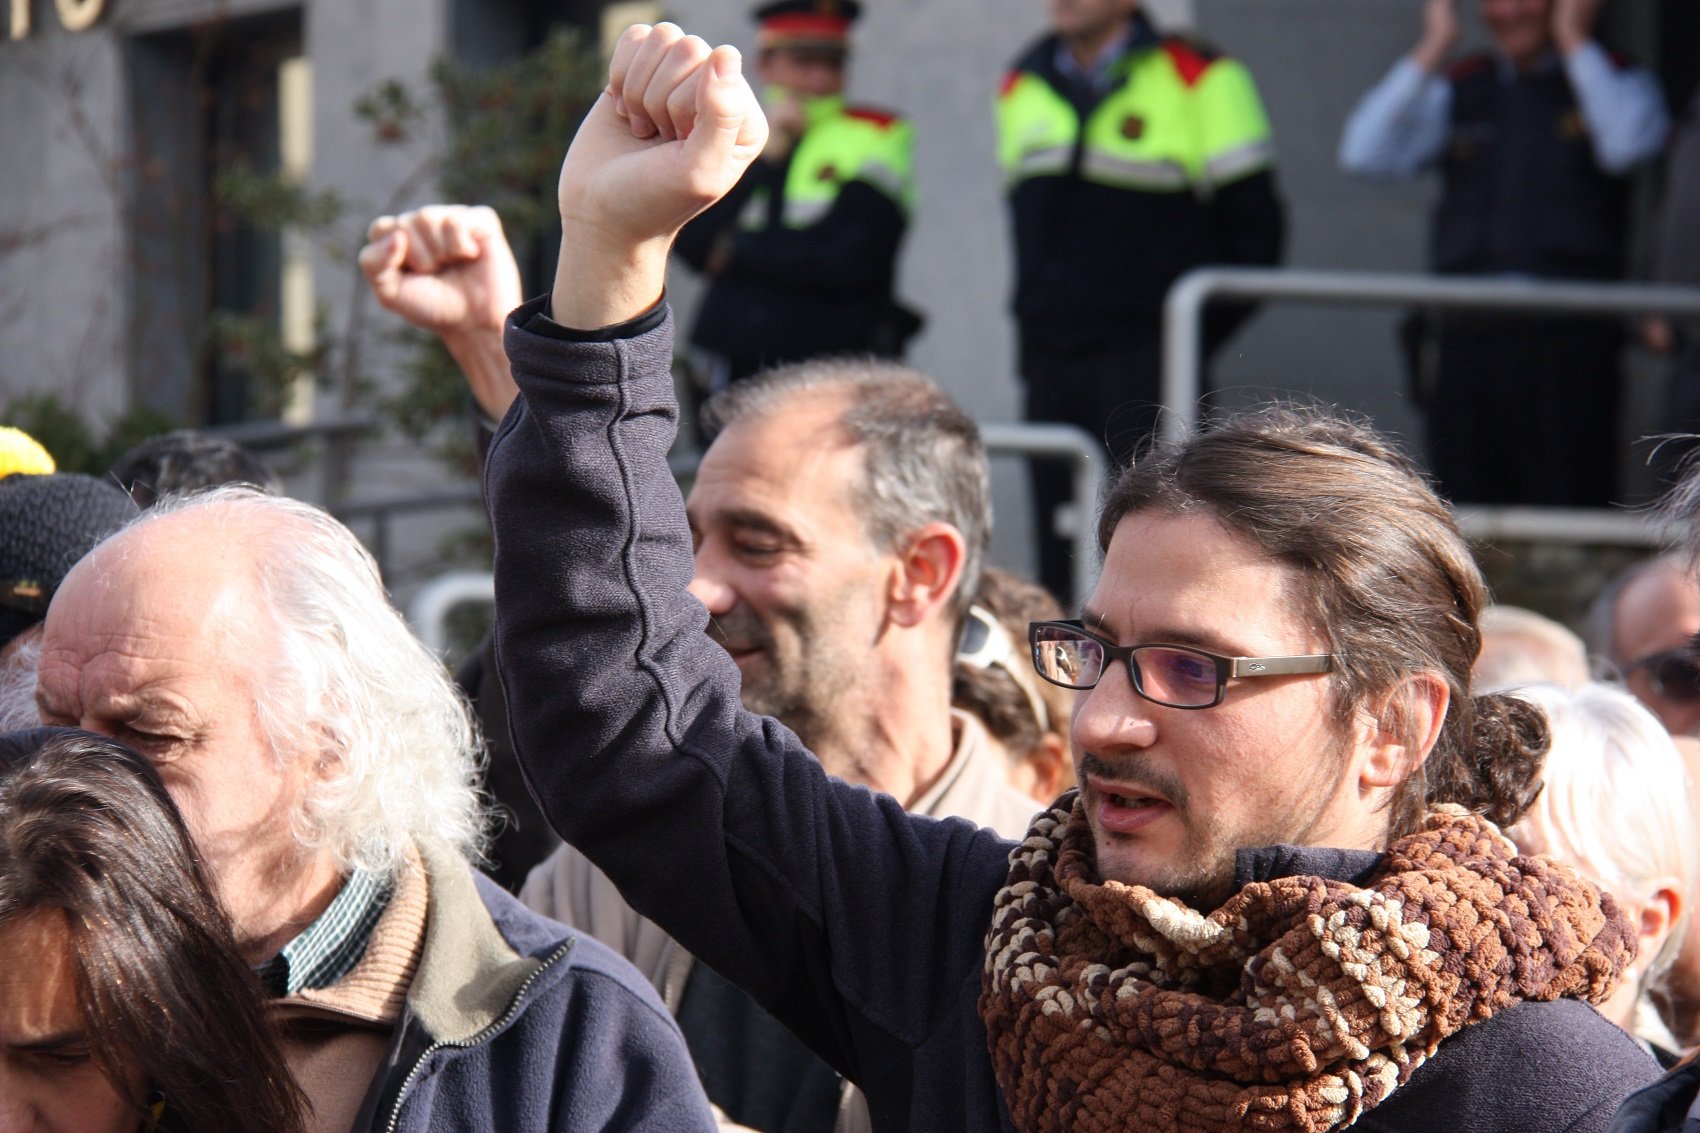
(1440, 35)
(1573, 22)
(448, 269)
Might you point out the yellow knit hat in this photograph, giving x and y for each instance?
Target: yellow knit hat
(20, 452)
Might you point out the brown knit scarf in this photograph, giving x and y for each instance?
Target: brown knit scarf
(1297, 1005)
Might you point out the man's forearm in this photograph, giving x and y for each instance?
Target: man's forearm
(484, 363)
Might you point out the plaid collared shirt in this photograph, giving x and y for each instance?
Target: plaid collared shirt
(329, 948)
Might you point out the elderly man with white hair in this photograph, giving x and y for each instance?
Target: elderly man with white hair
(1615, 806)
(326, 767)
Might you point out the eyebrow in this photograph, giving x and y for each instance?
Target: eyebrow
(52, 1043)
(1099, 623)
(748, 519)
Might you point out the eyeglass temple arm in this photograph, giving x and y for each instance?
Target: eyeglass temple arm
(1280, 666)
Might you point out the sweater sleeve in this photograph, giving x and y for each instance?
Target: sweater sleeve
(1623, 106)
(852, 921)
(1399, 125)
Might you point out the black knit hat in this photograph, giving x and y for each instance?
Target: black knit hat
(47, 523)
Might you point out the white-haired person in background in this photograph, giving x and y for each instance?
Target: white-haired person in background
(1615, 806)
(1521, 647)
(327, 768)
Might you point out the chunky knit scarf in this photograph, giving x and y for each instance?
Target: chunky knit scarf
(1297, 1005)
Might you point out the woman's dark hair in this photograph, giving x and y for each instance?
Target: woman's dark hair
(86, 828)
(1383, 572)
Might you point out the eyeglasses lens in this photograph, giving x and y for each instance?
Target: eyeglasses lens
(1066, 658)
(1177, 676)
(1677, 677)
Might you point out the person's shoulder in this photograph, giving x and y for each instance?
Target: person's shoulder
(527, 931)
(1660, 1106)
(585, 961)
(877, 117)
(1193, 58)
(1036, 58)
(1559, 1065)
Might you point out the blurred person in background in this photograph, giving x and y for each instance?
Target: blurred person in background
(1535, 141)
(124, 1006)
(47, 523)
(1129, 157)
(20, 452)
(1642, 624)
(1615, 805)
(1521, 647)
(800, 258)
(186, 461)
(1027, 718)
(1676, 260)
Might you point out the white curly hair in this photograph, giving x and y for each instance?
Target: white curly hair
(349, 681)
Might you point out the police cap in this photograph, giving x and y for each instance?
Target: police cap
(806, 24)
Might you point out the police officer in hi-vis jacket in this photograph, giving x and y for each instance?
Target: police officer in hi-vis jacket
(1129, 158)
(800, 256)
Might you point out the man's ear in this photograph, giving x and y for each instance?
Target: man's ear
(1664, 907)
(1405, 723)
(929, 569)
(325, 762)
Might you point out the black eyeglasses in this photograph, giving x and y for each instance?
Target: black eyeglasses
(1673, 673)
(1177, 676)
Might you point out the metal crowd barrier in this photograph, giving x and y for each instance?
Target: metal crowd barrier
(428, 613)
(1183, 314)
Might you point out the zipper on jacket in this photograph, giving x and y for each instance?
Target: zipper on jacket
(482, 1036)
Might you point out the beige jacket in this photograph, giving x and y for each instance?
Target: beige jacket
(974, 785)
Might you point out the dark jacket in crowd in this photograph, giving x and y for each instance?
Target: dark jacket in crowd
(1095, 254)
(1522, 192)
(1662, 1107)
(859, 925)
(515, 1023)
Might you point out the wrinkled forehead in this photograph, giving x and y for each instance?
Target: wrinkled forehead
(792, 459)
(174, 576)
(1192, 578)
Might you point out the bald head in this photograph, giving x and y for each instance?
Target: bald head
(159, 638)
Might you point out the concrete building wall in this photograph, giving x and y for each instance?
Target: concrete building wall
(68, 101)
(63, 310)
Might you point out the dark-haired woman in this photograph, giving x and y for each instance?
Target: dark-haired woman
(123, 1003)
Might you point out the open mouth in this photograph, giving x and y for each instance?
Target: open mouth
(1125, 809)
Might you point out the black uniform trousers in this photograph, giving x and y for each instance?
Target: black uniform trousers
(1113, 394)
(1525, 410)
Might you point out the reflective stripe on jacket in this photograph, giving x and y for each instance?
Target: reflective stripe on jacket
(842, 144)
(1178, 120)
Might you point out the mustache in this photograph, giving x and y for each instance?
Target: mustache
(1136, 771)
(737, 630)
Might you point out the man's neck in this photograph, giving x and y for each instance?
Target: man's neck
(306, 899)
(1087, 47)
(893, 735)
